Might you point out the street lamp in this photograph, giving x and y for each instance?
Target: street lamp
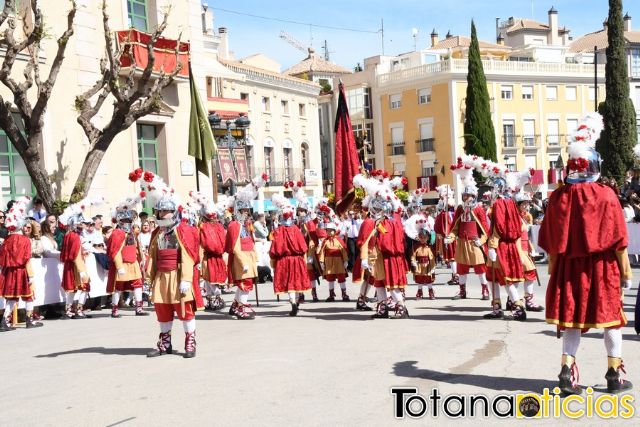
(229, 141)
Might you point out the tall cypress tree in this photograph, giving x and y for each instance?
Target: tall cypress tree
(480, 136)
(619, 135)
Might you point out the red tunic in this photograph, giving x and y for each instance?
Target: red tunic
(366, 228)
(311, 238)
(190, 238)
(506, 223)
(14, 256)
(212, 237)
(129, 255)
(288, 254)
(391, 245)
(442, 227)
(71, 247)
(582, 229)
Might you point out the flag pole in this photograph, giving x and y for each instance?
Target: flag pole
(214, 180)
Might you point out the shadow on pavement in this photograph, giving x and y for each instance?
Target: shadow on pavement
(101, 350)
(408, 369)
(631, 336)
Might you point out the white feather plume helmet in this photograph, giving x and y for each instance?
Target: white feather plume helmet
(379, 188)
(156, 190)
(302, 201)
(205, 206)
(249, 192)
(464, 169)
(76, 210)
(445, 192)
(582, 147)
(132, 201)
(16, 217)
(284, 205)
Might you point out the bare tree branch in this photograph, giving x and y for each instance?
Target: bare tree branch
(44, 92)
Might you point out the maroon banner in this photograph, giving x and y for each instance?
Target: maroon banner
(429, 182)
(347, 164)
(226, 165)
(241, 164)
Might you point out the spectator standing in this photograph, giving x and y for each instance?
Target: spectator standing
(48, 239)
(31, 229)
(4, 233)
(350, 228)
(260, 230)
(38, 212)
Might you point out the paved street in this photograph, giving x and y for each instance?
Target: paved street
(330, 366)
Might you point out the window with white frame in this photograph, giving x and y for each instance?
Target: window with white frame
(635, 62)
(266, 104)
(510, 163)
(509, 133)
(553, 131)
(572, 125)
(302, 110)
(426, 137)
(355, 100)
(552, 93)
(529, 133)
(397, 141)
(530, 162)
(395, 100)
(506, 92)
(428, 168)
(424, 96)
(527, 92)
(285, 107)
(571, 93)
(399, 168)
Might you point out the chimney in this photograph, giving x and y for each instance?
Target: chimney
(223, 48)
(627, 22)
(207, 20)
(566, 38)
(553, 38)
(605, 23)
(434, 37)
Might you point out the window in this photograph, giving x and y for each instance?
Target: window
(148, 147)
(530, 162)
(397, 141)
(268, 161)
(527, 92)
(529, 133)
(552, 93)
(506, 92)
(399, 168)
(302, 112)
(427, 168)
(304, 148)
(249, 151)
(553, 132)
(424, 96)
(426, 137)
(285, 107)
(266, 104)
(635, 62)
(592, 93)
(572, 125)
(510, 163)
(244, 96)
(137, 11)
(13, 173)
(288, 173)
(571, 93)
(355, 100)
(509, 133)
(395, 101)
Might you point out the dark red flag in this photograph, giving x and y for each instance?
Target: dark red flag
(347, 163)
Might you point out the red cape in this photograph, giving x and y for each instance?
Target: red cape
(287, 241)
(443, 224)
(481, 219)
(16, 251)
(573, 226)
(507, 223)
(366, 228)
(71, 246)
(212, 238)
(233, 234)
(113, 246)
(189, 236)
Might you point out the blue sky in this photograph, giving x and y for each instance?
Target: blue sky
(249, 35)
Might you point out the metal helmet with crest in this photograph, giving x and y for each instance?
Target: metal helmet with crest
(379, 188)
(73, 215)
(584, 161)
(244, 197)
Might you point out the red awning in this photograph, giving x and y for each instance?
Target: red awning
(164, 52)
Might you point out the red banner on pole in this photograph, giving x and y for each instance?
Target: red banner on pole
(227, 172)
(241, 164)
(347, 163)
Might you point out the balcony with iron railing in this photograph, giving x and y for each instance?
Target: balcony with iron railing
(554, 140)
(396, 149)
(530, 141)
(425, 145)
(277, 176)
(509, 141)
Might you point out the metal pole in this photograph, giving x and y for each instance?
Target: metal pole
(595, 68)
(214, 179)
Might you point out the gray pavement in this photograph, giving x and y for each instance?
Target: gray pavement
(331, 365)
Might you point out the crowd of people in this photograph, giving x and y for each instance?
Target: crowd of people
(188, 253)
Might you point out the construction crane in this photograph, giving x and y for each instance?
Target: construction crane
(293, 42)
